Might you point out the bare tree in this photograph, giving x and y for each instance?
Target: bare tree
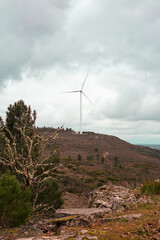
(31, 164)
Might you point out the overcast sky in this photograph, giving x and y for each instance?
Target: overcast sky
(48, 46)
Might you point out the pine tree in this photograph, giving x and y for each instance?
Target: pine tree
(20, 116)
(15, 204)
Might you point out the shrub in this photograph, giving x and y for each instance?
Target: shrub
(79, 157)
(99, 184)
(50, 197)
(91, 157)
(151, 188)
(116, 161)
(20, 115)
(15, 203)
(97, 156)
(102, 160)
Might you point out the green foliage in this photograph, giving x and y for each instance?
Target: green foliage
(19, 115)
(97, 156)
(15, 204)
(122, 220)
(96, 149)
(79, 157)
(99, 184)
(102, 160)
(50, 196)
(90, 157)
(115, 159)
(96, 173)
(151, 188)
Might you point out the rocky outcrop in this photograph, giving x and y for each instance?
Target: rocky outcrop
(79, 216)
(114, 198)
(81, 211)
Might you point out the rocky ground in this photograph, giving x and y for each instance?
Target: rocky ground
(116, 213)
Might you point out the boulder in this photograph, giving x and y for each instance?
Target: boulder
(145, 199)
(91, 212)
(112, 197)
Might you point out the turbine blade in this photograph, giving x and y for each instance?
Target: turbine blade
(88, 98)
(72, 91)
(84, 82)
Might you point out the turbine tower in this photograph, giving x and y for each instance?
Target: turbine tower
(81, 93)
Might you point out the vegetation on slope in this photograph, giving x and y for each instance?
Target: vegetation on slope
(91, 160)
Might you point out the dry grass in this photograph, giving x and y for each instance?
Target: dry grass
(147, 227)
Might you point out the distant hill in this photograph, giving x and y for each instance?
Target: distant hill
(154, 146)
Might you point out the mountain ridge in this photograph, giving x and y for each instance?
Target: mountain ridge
(106, 153)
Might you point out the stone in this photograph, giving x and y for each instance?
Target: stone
(117, 206)
(131, 217)
(82, 211)
(86, 237)
(92, 237)
(102, 204)
(145, 199)
(84, 231)
(31, 238)
(112, 197)
(127, 217)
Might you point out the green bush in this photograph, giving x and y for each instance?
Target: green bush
(90, 157)
(15, 203)
(102, 160)
(79, 157)
(151, 188)
(50, 197)
(97, 156)
(116, 161)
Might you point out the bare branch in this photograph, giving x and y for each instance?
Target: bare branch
(25, 162)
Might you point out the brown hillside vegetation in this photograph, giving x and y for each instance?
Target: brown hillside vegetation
(91, 160)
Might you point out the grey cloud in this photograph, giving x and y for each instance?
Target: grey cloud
(41, 34)
(117, 32)
(136, 98)
(24, 28)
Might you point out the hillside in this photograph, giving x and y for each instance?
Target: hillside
(90, 160)
(93, 171)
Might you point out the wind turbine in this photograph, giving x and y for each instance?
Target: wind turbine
(81, 93)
